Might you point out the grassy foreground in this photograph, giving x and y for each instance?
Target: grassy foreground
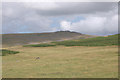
(62, 62)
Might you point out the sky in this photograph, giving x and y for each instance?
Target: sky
(93, 18)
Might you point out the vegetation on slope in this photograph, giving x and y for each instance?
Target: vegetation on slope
(97, 41)
(40, 45)
(7, 52)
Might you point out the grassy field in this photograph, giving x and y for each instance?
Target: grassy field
(62, 62)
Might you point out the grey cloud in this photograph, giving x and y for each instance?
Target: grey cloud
(78, 8)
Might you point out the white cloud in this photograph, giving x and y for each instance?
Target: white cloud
(94, 25)
(65, 25)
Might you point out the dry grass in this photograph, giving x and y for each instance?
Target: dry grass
(62, 62)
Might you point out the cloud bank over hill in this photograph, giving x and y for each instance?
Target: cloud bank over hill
(96, 18)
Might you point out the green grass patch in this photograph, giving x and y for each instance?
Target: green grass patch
(97, 41)
(40, 45)
(7, 52)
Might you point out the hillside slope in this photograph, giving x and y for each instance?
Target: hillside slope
(35, 38)
(97, 41)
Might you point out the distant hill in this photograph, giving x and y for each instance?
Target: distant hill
(35, 38)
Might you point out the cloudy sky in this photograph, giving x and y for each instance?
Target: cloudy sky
(94, 18)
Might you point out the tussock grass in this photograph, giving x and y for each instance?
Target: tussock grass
(7, 52)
